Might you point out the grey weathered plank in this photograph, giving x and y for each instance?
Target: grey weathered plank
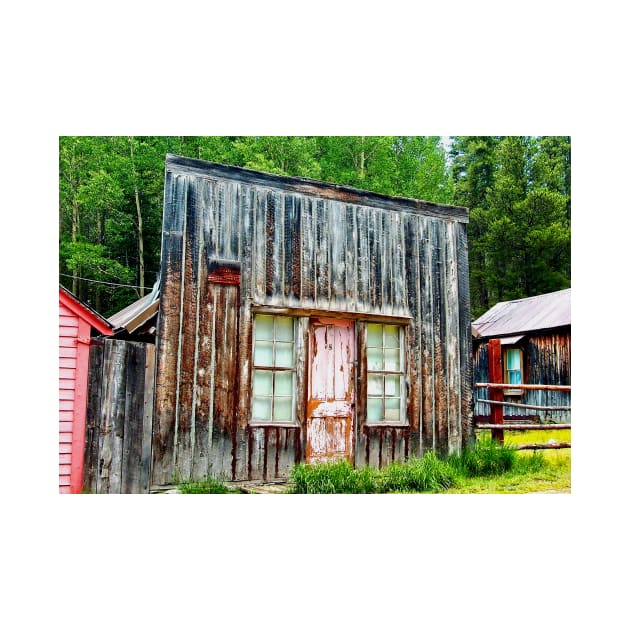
(93, 416)
(168, 337)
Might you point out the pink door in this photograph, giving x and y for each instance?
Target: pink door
(330, 411)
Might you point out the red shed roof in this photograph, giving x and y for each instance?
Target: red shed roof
(541, 312)
(84, 311)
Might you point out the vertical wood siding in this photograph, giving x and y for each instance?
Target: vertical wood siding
(547, 361)
(315, 251)
(119, 417)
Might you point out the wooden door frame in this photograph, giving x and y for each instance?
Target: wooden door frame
(351, 440)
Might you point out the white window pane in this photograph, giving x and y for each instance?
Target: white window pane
(282, 408)
(262, 409)
(375, 358)
(392, 409)
(375, 385)
(392, 386)
(264, 327)
(375, 335)
(392, 360)
(284, 354)
(262, 383)
(375, 409)
(284, 384)
(263, 353)
(284, 329)
(514, 359)
(514, 378)
(391, 337)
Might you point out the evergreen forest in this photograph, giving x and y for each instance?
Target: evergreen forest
(518, 190)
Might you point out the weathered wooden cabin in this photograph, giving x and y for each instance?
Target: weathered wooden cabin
(301, 321)
(78, 324)
(535, 335)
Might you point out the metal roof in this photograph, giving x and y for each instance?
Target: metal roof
(136, 314)
(540, 312)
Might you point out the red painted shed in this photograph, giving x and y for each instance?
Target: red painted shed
(78, 323)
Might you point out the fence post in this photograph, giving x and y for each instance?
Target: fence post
(495, 373)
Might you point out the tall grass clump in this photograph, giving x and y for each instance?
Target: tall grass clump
(332, 478)
(207, 486)
(487, 457)
(530, 463)
(428, 474)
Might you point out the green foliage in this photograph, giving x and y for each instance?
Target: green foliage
(487, 457)
(337, 477)
(111, 188)
(426, 474)
(529, 463)
(207, 486)
(518, 191)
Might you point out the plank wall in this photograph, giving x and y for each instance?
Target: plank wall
(304, 248)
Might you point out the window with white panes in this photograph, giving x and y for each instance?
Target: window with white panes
(274, 370)
(513, 369)
(385, 374)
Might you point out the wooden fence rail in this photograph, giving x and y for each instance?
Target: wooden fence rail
(551, 388)
(524, 406)
(525, 427)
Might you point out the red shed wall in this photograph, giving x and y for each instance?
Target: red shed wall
(73, 361)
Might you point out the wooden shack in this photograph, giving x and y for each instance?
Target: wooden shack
(535, 336)
(120, 402)
(301, 321)
(78, 323)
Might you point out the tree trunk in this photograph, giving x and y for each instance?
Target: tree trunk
(362, 164)
(75, 232)
(139, 222)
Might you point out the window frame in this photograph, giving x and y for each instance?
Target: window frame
(515, 391)
(400, 373)
(274, 370)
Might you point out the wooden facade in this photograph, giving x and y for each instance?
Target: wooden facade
(255, 263)
(77, 323)
(538, 329)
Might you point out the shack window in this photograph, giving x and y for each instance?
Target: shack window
(274, 370)
(385, 374)
(513, 369)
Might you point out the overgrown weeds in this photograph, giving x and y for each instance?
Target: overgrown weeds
(484, 465)
(428, 474)
(207, 486)
(487, 467)
(333, 478)
(487, 457)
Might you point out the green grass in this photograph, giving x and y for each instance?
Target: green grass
(532, 471)
(207, 486)
(428, 474)
(332, 478)
(489, 468)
